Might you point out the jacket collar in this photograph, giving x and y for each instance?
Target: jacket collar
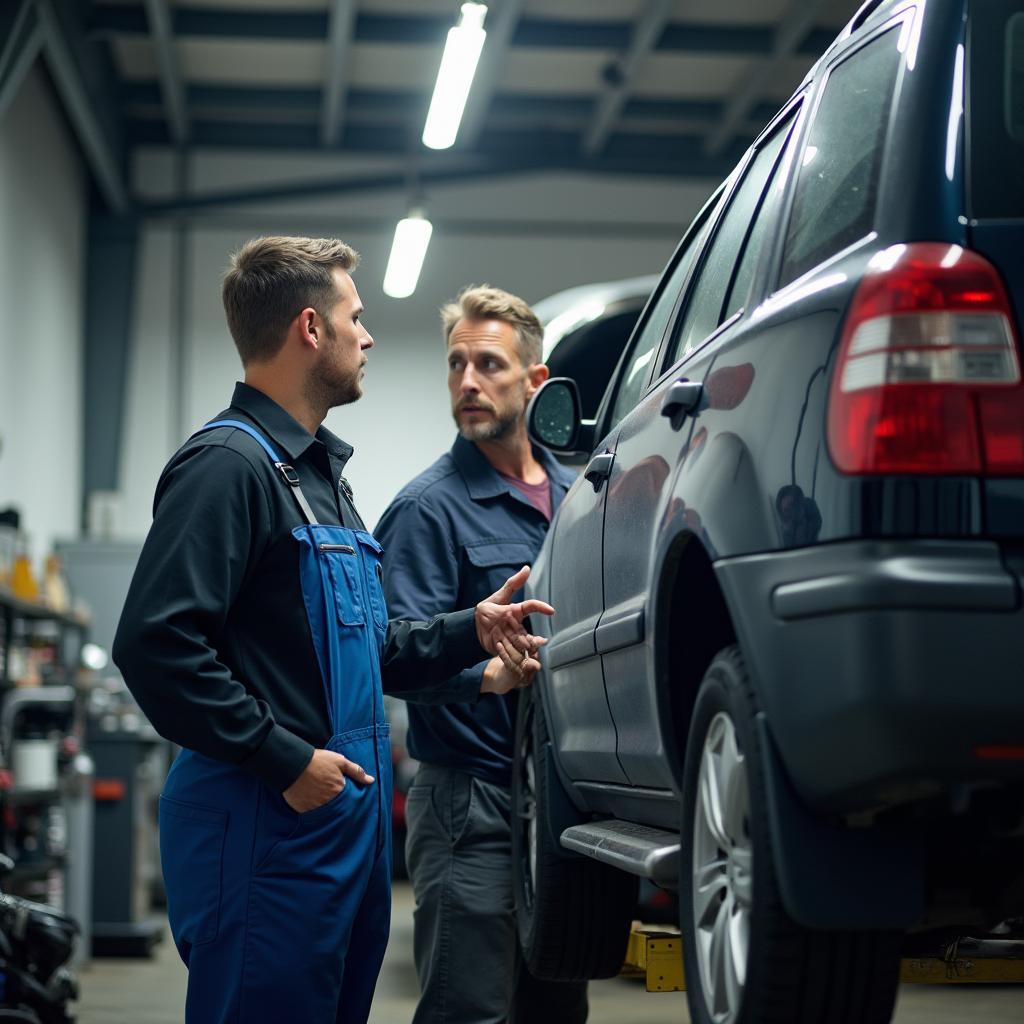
(482, 479)
(282, 427)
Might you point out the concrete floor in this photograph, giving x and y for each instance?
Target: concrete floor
(153, 992)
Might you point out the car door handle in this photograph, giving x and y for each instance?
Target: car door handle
(681, 399)
(599, 469)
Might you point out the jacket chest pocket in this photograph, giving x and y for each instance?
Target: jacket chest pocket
(493, 561)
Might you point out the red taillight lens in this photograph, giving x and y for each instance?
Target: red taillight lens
(1002, 426)
(928, 376)
(904, 430)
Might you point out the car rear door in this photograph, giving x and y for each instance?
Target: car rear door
(653, 441)
(578, 709)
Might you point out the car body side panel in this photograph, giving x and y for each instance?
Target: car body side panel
(639, 493)
(753, 466)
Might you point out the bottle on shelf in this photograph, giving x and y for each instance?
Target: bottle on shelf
(55, 587)
(23, 579)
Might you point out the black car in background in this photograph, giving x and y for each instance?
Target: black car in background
(786, 669)
(586, 329)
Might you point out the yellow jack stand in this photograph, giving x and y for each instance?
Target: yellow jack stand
(655, 953)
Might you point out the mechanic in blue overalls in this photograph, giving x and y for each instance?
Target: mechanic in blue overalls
(255, 636)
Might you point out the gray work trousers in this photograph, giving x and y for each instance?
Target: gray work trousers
(459, 854)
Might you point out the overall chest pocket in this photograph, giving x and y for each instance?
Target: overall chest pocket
(493, 561)
(343, 572)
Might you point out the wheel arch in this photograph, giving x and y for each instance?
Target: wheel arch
(692, 623)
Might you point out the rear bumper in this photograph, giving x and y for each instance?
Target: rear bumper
(888, 671)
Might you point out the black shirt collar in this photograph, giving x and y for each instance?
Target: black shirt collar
(482, 478)
(289, 434)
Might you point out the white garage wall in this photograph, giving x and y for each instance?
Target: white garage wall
(42, 238)
(402, 423)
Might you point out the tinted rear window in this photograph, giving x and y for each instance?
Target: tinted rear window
(996, 107)
(838, 182)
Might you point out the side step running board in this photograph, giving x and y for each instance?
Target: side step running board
(649, 852)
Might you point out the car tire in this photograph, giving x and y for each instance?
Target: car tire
(573, 914)
(746, 960)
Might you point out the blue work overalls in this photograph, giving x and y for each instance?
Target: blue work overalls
(281, 916)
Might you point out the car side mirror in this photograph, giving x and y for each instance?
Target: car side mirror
(553, 416)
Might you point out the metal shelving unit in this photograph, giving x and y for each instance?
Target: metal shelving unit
(39, 872)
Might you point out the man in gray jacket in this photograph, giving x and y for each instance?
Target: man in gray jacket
(454, 530)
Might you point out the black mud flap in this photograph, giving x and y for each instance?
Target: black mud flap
(836, 878)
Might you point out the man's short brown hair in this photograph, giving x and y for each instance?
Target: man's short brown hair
(482, 302)
(270, 280)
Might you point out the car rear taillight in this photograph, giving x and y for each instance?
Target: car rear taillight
(928, 378)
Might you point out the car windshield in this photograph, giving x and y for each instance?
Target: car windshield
(995, 129)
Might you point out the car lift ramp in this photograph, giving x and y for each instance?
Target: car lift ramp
(655, 954)
(968, 961)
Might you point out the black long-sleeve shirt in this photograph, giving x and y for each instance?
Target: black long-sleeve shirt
(213, 641)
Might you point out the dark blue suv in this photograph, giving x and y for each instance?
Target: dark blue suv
(786, 669)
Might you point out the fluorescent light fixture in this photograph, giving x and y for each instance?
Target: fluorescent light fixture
(412, 236)
(454, 77)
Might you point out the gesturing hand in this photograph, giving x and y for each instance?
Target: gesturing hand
(499, 678)
(500, 630)
(322, 780)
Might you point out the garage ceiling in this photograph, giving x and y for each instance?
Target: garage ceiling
(669, 87)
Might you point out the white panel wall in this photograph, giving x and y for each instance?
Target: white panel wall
(403, 421)
(42, 238)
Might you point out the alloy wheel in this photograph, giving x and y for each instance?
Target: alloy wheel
(722, 871)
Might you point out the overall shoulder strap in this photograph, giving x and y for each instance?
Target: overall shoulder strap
(291, 478)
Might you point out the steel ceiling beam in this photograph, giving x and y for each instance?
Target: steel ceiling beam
(631, 151)
(61, 49)
(646, 33)
(792, 31)
(469, 227)
(536, 32)
(447, 170)
(502, 18)
(341, 19)
(158, 14)
(248, 103)
(683, 160)
(24, 35)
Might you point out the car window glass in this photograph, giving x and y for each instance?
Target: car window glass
(758, 230)
(635, 373)
(837, 185)
(704, 306)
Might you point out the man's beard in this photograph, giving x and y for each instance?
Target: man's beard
(489, 430)
(327, 387)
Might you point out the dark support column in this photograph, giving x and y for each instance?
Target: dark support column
(109, 288)
(180, 306)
